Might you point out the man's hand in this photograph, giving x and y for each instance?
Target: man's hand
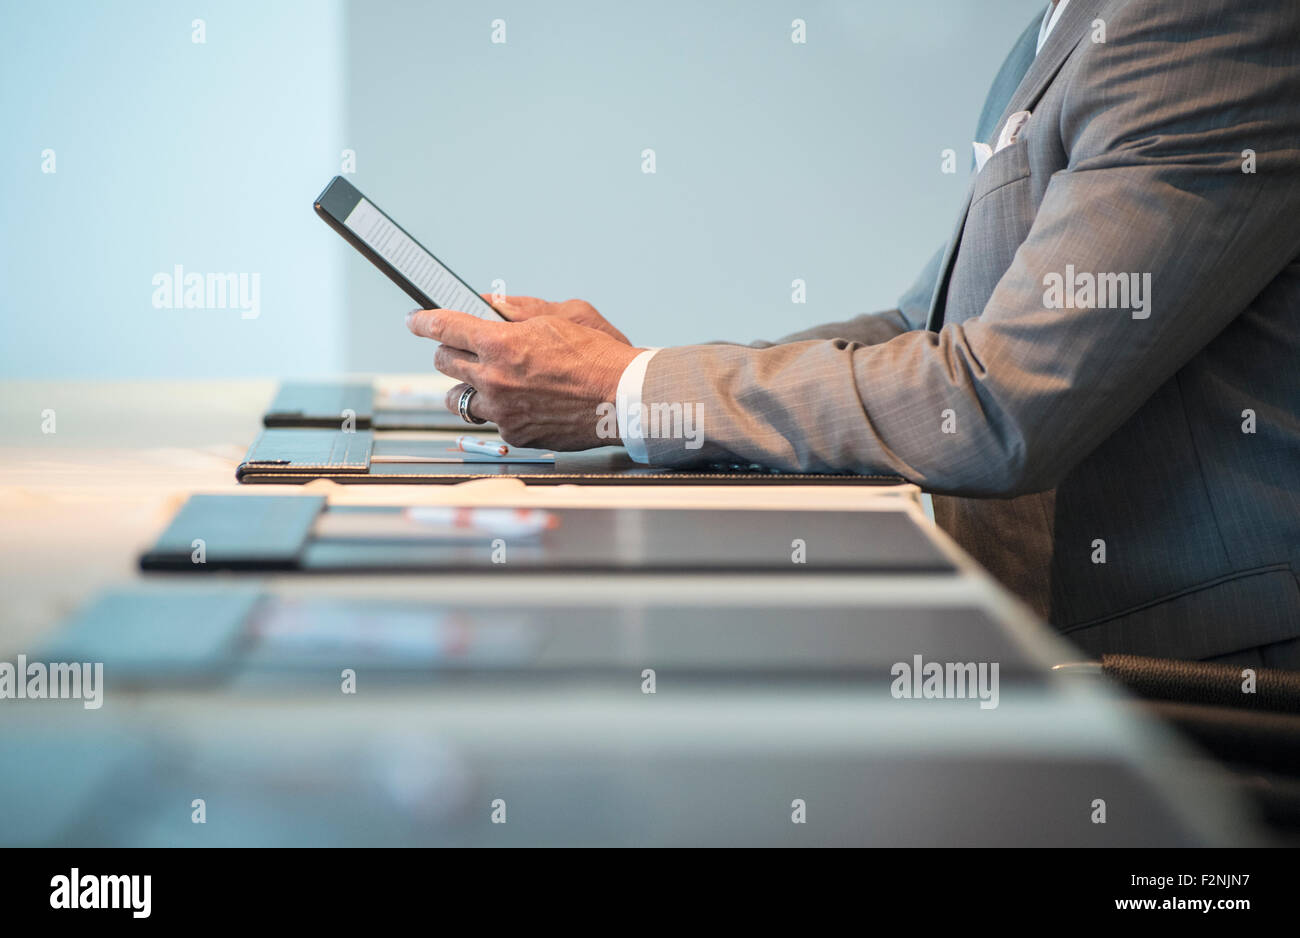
(520, 308)
(541, 380)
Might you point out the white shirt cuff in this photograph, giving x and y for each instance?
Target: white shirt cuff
(627, 405)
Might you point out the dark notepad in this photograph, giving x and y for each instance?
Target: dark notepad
(160, 633)
(301, 532)
(280, 456)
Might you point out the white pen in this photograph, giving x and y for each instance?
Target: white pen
(472, 444)
(449, 520)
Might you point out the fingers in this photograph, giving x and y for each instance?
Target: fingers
(453, 397)
(456, 363)
(478, 404)
(516, 308)
(498, 301)
(460, 330)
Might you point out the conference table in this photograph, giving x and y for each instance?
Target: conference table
(574, 708)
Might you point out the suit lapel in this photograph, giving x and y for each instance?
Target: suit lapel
(1068, 33)
(1065, 36)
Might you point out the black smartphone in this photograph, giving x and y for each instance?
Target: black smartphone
(404, 260)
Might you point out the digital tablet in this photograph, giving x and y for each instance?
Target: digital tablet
(387, 245)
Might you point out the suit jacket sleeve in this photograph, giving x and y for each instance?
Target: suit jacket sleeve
(1153, 131)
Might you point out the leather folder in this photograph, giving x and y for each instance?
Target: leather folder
(304, 533)
(281, 456)
(164, 633)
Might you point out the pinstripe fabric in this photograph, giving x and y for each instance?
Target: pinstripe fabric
(1046, 432)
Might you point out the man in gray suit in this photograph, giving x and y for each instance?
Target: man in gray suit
(1098, 376)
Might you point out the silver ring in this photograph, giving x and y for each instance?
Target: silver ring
(462, 406)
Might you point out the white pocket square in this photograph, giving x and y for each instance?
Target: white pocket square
(1009, 135)
(1011, 130)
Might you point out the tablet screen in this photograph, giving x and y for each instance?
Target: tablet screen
(406, 257)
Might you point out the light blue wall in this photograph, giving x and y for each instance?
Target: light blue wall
(519, 161)
(168, 152)
(775, 161)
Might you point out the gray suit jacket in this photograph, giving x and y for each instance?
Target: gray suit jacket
(1135, 479)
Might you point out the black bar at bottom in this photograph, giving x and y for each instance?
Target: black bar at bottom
(930, 887)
